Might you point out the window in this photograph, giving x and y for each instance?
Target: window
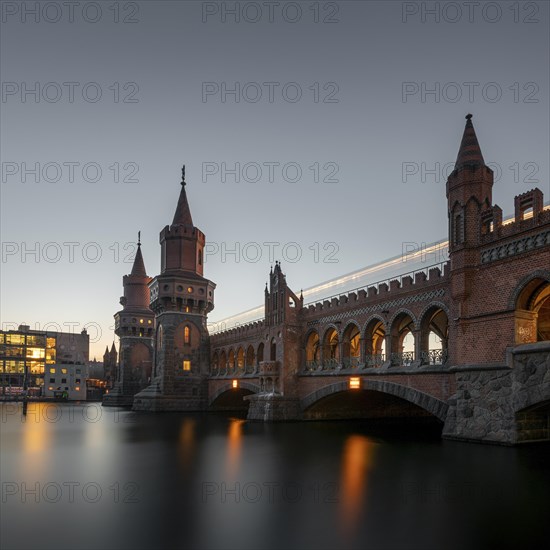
(77, 371)
(459, 229)
(52, 371)
(77, 381)
(52, 380)
(186, 365)
(200, 257)
(186, 336)
(189, 289)
(63, 371)
(64, 381)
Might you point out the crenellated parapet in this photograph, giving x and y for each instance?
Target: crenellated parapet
(530, 214)
(240, 333)
(382, 291)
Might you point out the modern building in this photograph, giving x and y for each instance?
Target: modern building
(27, 358)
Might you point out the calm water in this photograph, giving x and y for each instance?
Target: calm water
(83, 477)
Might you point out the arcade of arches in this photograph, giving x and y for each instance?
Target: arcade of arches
(404, 343)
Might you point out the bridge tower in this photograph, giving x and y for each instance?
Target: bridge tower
(181, 299)
(278, 373)
(471, 214)
(134, 325)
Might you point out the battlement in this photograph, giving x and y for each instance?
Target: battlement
(529, 214)
(389, 288)
(174, 231)
(242, 332)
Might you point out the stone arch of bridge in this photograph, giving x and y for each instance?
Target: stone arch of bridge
(228, 386)
(433, 405)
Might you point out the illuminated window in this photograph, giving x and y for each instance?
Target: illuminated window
(187, 365)
(77, 388)
(149, 322)
(50, 388)
(186, 335)
(189, 289)
(52, 371)
(354, 383)
(235, 383)
(141, 321)
(187, 309)
(63, 371)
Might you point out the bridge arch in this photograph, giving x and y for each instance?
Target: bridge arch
(330, 346)
(403, 326)
(530, 301)
(431, 404)
(351, 346)
(374, 334)
(228, 386)
(434, 334)
(543, 274)
(260, 353)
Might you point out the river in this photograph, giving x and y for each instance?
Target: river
(78, 476)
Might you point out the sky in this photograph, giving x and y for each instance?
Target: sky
(318, 134)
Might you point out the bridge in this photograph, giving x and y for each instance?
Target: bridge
(464, 343)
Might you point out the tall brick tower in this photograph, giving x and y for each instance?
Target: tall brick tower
(471, 212)
(181, 299)
(134, 325)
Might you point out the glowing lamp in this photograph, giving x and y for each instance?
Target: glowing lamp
(354, 383)
(235, 384)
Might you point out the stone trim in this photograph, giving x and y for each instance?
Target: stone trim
(513, 248)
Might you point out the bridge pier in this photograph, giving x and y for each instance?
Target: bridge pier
(273, 407)
(505, 405)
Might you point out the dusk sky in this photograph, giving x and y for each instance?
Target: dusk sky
(385, 87)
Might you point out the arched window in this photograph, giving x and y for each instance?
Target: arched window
(200, 257)
(187, 336)
(273, 351)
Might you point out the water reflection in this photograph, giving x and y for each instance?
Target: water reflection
(234, 444)
(357, 460)
(187, 443)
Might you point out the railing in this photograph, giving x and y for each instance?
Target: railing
(375, 360)
(434, 357)
(403, 359)
(330, 364)
(351, 362)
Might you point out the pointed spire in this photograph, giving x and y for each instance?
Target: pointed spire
(469, 153)
(113, 347)
(139, 267)
(183, 212)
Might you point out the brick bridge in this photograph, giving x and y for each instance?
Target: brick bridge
(465, 343)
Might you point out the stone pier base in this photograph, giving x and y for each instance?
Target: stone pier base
(506, 405)
(121, 395)
(153, 399)
(272, 407)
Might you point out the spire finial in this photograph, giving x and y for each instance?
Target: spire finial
(139, 238)
(469, 116)
(183, 175)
